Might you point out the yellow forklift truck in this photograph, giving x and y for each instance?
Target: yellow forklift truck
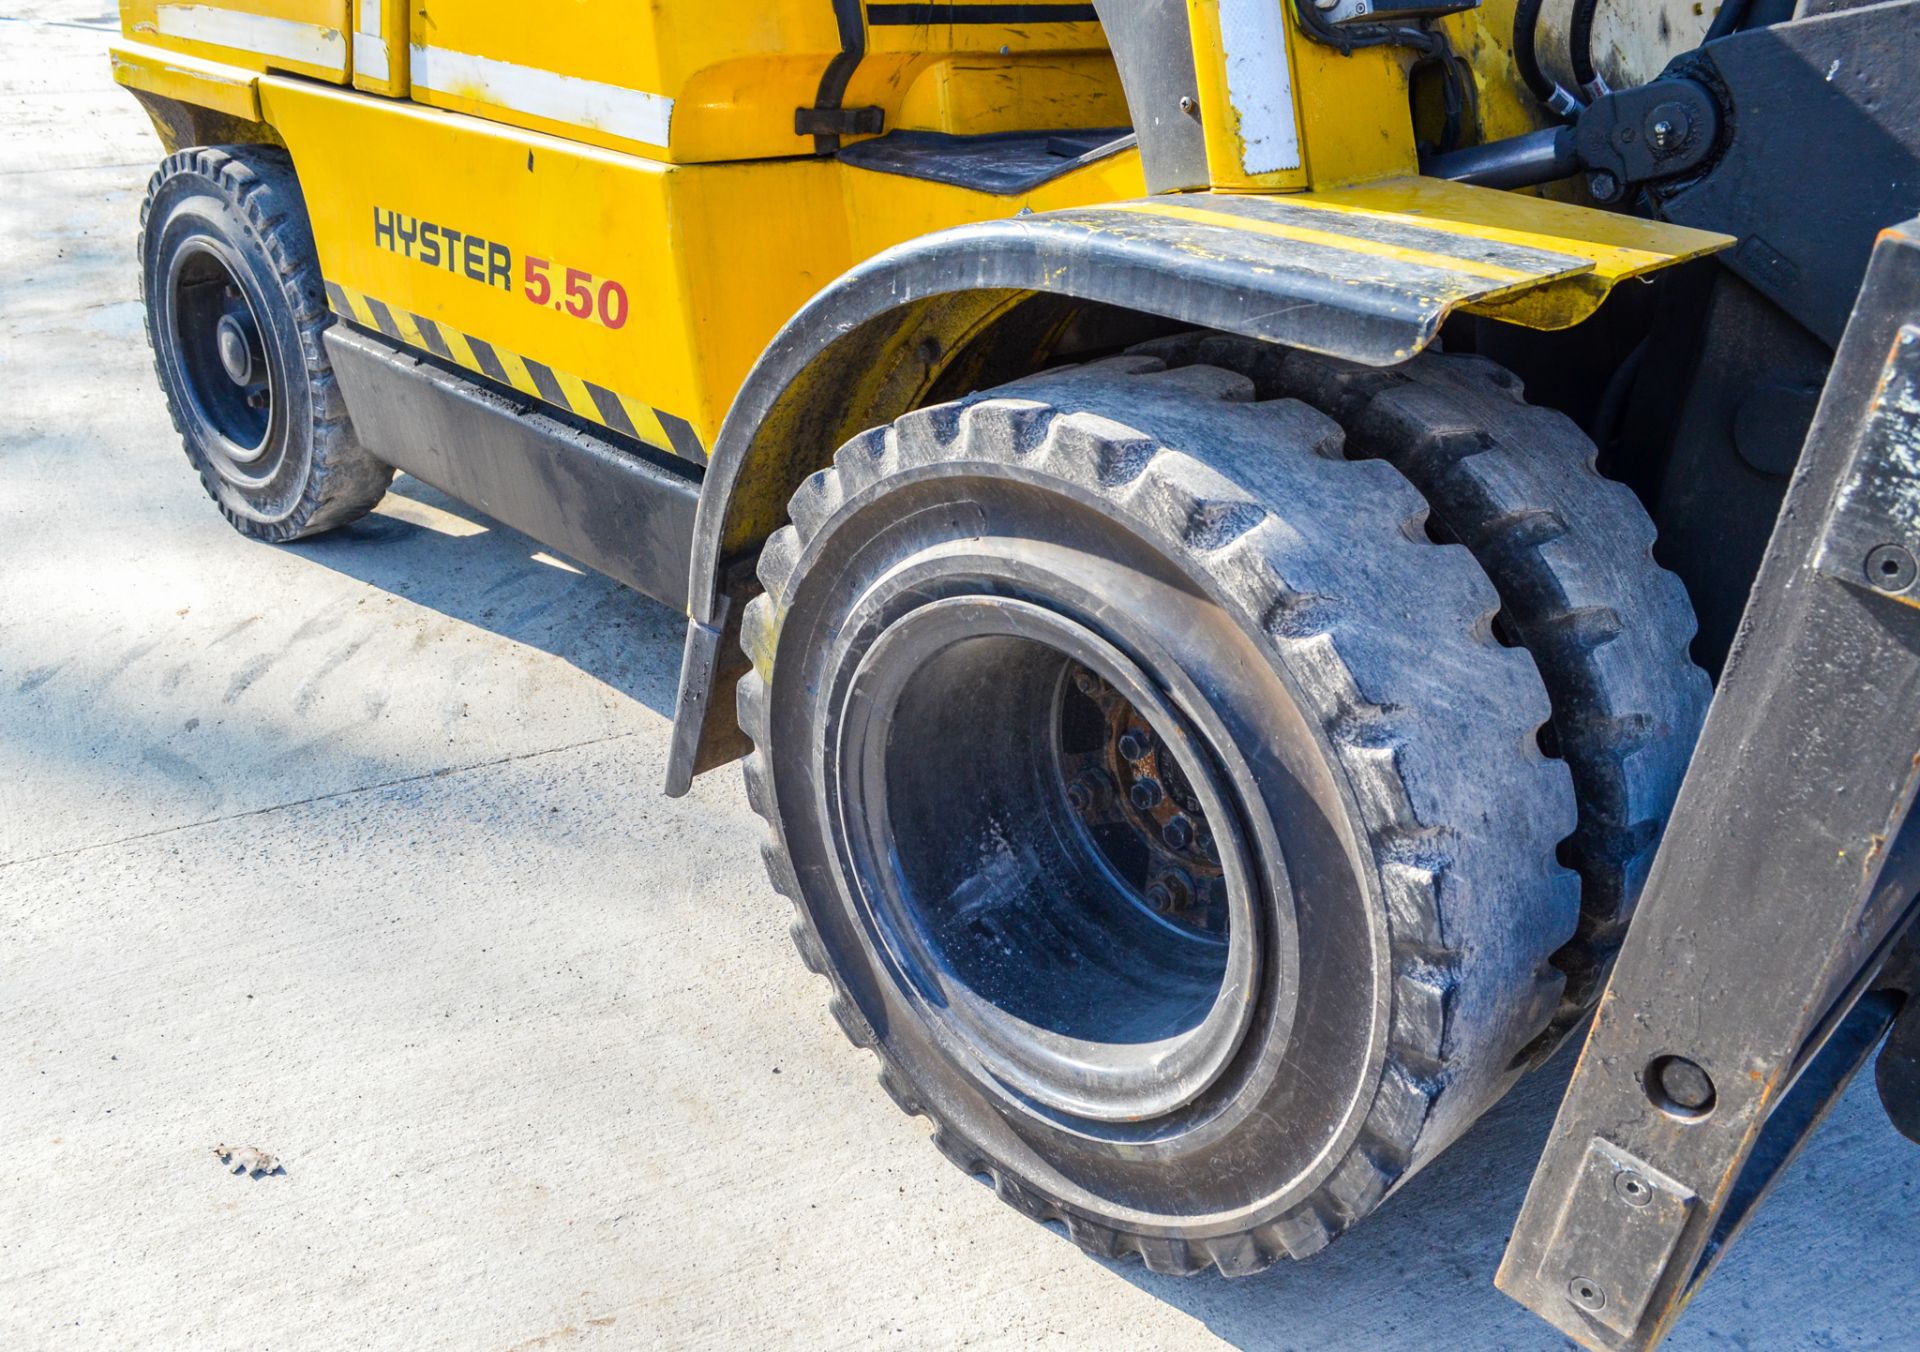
(1214, 525)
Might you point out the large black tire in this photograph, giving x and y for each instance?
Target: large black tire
(1571, 553)
(1354, 741)
(227, 257)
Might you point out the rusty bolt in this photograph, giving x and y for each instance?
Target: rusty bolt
(1136, 744)
(1146, 793)
(1088, 791)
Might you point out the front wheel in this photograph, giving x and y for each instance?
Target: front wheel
(1158, 801)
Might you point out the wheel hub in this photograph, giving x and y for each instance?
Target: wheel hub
(1132, 782)
(238, 345)
(222, 362)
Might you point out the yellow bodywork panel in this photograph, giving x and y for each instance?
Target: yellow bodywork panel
(662, 283)
(189, 79)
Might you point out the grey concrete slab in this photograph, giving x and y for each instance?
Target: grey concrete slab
(353, 852)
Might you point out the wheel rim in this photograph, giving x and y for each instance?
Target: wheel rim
(1039, 940)
(222, 361)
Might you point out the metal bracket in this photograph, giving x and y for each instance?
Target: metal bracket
(1873, 534)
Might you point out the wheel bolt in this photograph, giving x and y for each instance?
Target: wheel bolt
(1177, 833)
(1089, 790)
(1136, 745)
(1146, 793)
(1084, 682)
(1171, 891)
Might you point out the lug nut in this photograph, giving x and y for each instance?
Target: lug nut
(1089, 790)
(1146, 793)
(1084, 682)
(1171, 891)
(1136, 744)
(1177, 833)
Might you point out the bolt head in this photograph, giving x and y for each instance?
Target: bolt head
(1633, 1189)
(1891, 568)
(1136, 744)
(1663, 134)
(1146, 793)
(1683, 1085)
(1603, 185)
(1587, 1293)
(1189, 105)
(1177, 833)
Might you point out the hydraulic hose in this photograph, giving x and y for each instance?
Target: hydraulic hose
(1526, 55)
(1726, 20)
(1580, 49)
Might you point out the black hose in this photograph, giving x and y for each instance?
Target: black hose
(1728, 19)
(1526, 55)
(1580, 49)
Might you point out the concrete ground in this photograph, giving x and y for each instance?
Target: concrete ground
(353, 852)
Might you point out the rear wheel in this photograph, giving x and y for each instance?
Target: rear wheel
(1160, 804)
(235, 311)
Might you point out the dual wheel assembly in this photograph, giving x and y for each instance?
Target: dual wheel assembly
(1211, 775)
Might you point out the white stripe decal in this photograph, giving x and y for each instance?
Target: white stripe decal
(369, 17)
(370, 57)
(308, 43)
(1260, 84)
(630, 113)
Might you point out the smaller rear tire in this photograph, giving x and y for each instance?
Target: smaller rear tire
(235, 310)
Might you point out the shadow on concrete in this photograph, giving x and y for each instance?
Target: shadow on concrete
(1416, 1275)
(440, 553)
(1419, 1275)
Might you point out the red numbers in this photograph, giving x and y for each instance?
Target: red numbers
(608, 305)
(579, 297)
(539, 289)
(613, 304)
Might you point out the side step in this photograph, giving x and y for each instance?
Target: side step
(613, 510)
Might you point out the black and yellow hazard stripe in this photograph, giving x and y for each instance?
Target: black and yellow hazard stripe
(583, 398)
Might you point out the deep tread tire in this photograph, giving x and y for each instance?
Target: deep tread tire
(1383, 636)
(248, 200)
(1571, 553)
